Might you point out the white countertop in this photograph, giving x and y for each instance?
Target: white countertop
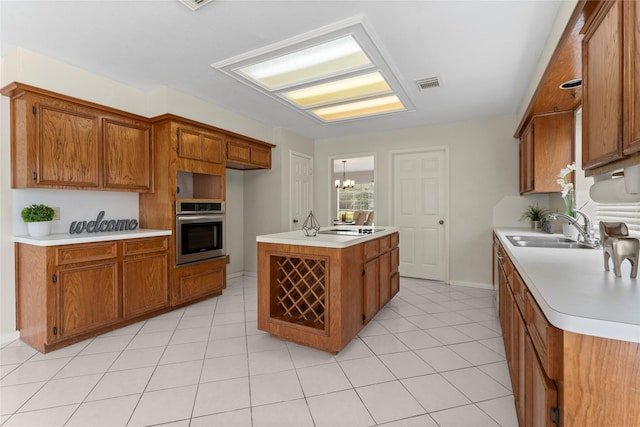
(70, 239)
(327, 240)
(575, 292)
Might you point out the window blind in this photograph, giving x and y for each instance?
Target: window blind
(629, 213)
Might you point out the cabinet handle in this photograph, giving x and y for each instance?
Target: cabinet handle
(34, 176)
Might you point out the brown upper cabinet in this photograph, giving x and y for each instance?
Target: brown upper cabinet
(243, 153)
(546, 146)
(200, 145)
(61, 142)
(611, 92)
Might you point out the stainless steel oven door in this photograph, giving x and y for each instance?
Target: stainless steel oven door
(199, 237)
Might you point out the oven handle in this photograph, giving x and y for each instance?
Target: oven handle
(201, 218)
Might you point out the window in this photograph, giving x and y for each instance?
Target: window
(358, 198)
(629, 213)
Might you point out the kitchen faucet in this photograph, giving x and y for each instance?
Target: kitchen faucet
(585, 232)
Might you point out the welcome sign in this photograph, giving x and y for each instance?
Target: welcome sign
(100, 225)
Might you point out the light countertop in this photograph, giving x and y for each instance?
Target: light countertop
(70, 239)
(298, 237)
(575, 292)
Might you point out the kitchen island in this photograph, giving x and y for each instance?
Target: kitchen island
(571, 333)
(320, 291)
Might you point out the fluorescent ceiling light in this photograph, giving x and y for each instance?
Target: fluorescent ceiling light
(330, 74)
(355, 109)
(327, 59)
(361, 86)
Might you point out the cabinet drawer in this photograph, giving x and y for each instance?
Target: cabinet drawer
(143, 246)
(385, 243)
(71, 254)
(546, 338)
(518, 287)
(371, 249)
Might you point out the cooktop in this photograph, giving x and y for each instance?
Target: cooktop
(351, 231)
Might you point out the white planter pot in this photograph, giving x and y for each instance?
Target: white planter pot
(570, 231)
(39, 229)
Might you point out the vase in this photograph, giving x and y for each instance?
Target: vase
(570, 231)
(39, 229)
(535, 225)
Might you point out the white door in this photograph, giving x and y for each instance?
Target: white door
(420, 201)
(301, 179)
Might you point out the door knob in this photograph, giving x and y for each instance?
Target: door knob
(441, 222)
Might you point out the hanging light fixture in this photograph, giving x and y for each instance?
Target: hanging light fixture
(346, 183)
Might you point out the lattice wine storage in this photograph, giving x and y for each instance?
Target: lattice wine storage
(301, 291)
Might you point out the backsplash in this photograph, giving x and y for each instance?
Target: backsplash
(74, 205)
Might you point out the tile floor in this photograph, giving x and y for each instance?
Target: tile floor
(432, 357)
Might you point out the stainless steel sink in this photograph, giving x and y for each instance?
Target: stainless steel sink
(547, 242)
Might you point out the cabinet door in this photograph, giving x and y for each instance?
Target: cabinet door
(238, 151)
(189, 146)
(385, 278)
(67, 147)
(87, 298)
(519, 333)
(541, 393)
(553, 141)
(526, 161)
(198, 280)
(212, 148)
(261, 156)
(602, 88)
(127, 155)
(631, 94)
(371, 287)
(144, 284)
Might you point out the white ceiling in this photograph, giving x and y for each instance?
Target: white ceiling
(484, 51)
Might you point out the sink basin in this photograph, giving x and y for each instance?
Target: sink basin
(546, 242)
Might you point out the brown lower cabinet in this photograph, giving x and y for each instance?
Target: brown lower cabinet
(193, 282)
(68, 293)
(560, 378)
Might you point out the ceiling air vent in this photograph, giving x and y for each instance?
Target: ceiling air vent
(195, 4)
(428, 83)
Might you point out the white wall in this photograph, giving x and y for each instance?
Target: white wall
(484, 171)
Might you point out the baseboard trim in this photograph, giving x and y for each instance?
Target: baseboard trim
(471, 284)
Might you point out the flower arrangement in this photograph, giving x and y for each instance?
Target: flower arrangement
(567, 188)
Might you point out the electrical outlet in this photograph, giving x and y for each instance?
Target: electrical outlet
(56, 214)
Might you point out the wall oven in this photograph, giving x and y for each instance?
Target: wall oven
(200, 231)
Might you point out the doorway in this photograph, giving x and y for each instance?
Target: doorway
(352, 188)
(420, 208)
(301, 189)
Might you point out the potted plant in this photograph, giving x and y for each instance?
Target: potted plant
(535, 214)
(38, 219)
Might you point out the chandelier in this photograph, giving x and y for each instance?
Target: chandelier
(346, 183)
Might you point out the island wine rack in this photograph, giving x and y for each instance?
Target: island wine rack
(301, 292)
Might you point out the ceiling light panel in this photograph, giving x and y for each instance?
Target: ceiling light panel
(330, 74)
(328, 59)
(361, 86)
(359, 109)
